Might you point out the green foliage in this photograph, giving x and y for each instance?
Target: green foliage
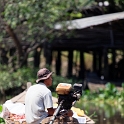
(109, 95)
(40, 16)
(120, 3)
(108, 100)
(109, 91)
(76, 15)
(24, 75)
(16, 79)
(1, 119)
(34, 21)
(1, 108)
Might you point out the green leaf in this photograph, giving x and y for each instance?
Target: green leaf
(1, 108)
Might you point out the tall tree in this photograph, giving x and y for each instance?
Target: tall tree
(32, 21)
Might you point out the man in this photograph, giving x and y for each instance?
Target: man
(39, 98)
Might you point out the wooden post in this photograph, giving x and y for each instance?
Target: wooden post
(58, 63)
(70, 62)
(37, 53)
(82, 68)
(113, 56)
(100, 62)
(28, 84)
(105, 69)
(48, 53)
(94, 61)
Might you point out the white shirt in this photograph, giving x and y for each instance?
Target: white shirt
(37, 99)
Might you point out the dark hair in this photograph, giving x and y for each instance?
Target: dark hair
(40, 82)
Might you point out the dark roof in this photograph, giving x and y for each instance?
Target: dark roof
(94, 32)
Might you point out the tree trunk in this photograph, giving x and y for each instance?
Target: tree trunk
(16, 42)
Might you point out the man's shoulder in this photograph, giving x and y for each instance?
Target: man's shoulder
(47, 90)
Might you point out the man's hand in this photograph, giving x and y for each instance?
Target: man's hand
(50, 111)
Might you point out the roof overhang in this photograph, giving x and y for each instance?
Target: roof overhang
(90, 21)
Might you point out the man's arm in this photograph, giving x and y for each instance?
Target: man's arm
(50, 111)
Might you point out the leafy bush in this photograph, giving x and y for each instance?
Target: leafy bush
(1, 119)
(1, 108)
(22, 76)
(16, 79)
(109, 94)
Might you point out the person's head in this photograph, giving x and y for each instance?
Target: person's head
(44, 76)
